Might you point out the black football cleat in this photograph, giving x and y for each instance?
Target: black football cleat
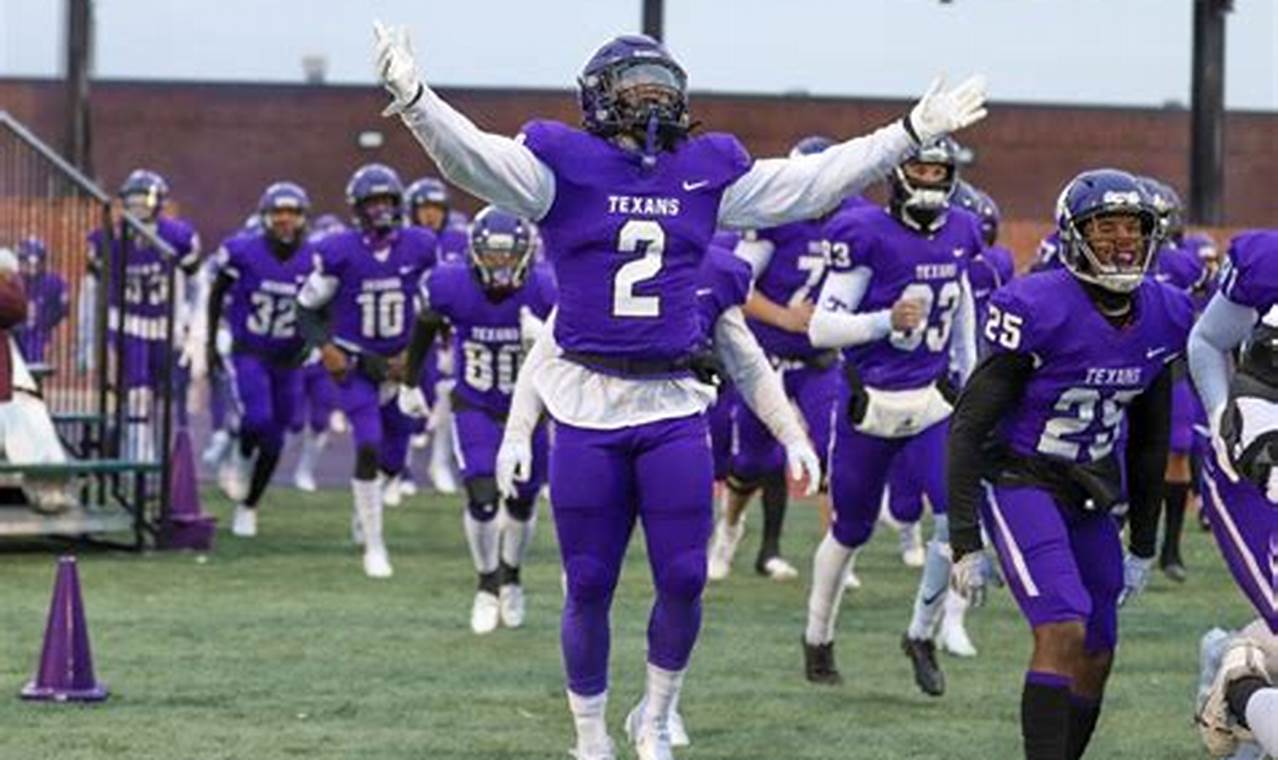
(1175, 571)
(818, 663)
(927, 672)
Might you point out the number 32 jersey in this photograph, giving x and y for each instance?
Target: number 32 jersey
(261, 304)
(626, 240)
(1086, 370)
(377, 286)
(904, 264)
(487, 343)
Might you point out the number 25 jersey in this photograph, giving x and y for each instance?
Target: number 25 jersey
(626, 241)
(1086, 370)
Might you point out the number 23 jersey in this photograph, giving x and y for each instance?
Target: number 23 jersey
(626, 241)
(487, 342)
(1086, 370)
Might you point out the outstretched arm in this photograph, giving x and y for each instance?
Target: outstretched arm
(1222, 327)
(493, 167)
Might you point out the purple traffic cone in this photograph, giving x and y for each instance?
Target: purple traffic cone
(185, 526)
(66, 664)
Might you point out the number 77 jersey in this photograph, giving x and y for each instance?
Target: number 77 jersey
(1086, 370)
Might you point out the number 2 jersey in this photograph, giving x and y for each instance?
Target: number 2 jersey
(626, 240)
(486, 340)
(1086, 370)
(378, 284)
(904, 263)
(261, 303)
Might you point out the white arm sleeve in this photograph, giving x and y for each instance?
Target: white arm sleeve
(1221, 328)
(317, 291)
(759, 384)
(756, 252)
(496, 168)
(963, 339)
(779, 190)
(526, 405)
(836, 324)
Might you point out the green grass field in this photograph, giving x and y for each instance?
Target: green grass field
(279, 648)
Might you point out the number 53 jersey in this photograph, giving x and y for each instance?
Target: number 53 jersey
(1086, 370)
(487, 343)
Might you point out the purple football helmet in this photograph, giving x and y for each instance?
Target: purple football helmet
(501, 246)
(1100, 193)
(811, 145)
(287, 197)
(427, 192)
(978, 202)
(144, 193)
(376, 196)
(920, 205)
(633, 86)
(325, 225)
(1167, 203)
(32, 253)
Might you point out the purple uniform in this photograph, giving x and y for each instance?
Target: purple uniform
(454, 243)
(141, 312)
(487, 350)
(1048, 255)
(1183, 269)
(626, 242)
(1066, 563)
(725, 282)
(372, 312)
(48, 303)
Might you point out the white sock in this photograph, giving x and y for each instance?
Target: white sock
(660, 695)
(484, 540)
(588, 715)
(930, 598)
(955, 609)
(312, 446)
(368, 505)
(829, 569)
(516, 537)
(1262, 716)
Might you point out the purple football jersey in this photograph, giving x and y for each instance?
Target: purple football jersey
(1048, 255)
(487, 344)
(626, 241)
(794, 273)
(1086, 371)
(905, 264)
(146, 286)
(1249, 276)
(261, 304)
(47, 305)
(378, 286)
(454, 244)
(724, 282)
(1180, 267)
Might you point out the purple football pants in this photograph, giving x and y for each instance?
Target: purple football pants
(600, 482)
(755, 453)
(265, 395)
(905, 482)
(317, 400)
(476, 438)
(1187, 411)
(720, 421)
(1245, 524)
(375, 424)
(1061, 565)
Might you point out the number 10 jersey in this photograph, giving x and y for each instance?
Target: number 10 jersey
(626, 240)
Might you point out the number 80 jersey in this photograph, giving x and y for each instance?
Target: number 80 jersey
(1086, 370)
(626, 240)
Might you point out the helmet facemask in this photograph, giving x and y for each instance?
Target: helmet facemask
(645, 101)
(501, 262)
(284, 224)
(1112, 247)
(921, 190)
(379, 213)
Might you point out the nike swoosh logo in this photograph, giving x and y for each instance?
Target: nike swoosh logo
(405, 270)
(960, 253)
(690, 186)
(933, 599)
(1151, 353)
(704, 291)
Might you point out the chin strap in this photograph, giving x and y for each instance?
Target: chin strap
(650, 140)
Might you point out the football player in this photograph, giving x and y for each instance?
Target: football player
(1237, 712)
(481, 302)
(899, 304)
(48, 300)
(258, 276)
(627, 206)
(359, 304)
(1062, 426)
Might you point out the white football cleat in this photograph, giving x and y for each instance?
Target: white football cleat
(512, 605)
(377, 562)
(678, 732)
(304, 480)
(219, 444)
(778, 569)
(723, 548)
(605, 751)
(407, 487)
(1220, 730)
(953, 638)
(485, 613)
(652, 741)
(244, 523)
(441, 476)
(391, 495)
(852, 581)
(912, 551)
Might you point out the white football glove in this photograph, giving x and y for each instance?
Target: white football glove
(803, 460)
(395, 67)
(1136, 572)
(940, 112)
(412, 402)
(968, 576)
(514, 463)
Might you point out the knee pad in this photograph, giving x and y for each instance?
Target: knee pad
(521, 508)
(850, 531)
(481, 498)
(739, 484)
(366, 463)
(683, 577)
(590, 581)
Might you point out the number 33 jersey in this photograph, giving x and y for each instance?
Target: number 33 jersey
(261, 304)
(487, 343)
(1086, 370)
(904, 263)
(626, 241)
(377, 286)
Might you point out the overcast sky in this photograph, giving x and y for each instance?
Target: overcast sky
(1130, 52)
